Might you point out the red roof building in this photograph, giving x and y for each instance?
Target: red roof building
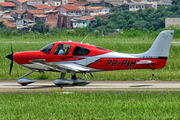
(80, 4)
(8, 23)
(40, 18)
(71, 2)
(7, 6)
(91, 20)
(52, 19)
(19, 15)
(64, 22)
(32, 14)
(21, 4)
(18, 12)
(22, 1)
(69, 10)
(94, 1)
(88, 18)
(36, 12)
(39, 7)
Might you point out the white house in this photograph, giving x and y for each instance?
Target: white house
(97, 10)
(79, 23)
(136, 6)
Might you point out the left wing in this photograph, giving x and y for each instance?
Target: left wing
(65, 67)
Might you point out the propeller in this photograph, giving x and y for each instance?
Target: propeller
(10, 56)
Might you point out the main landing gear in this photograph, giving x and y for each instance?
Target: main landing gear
(71, 81)
(59, 82)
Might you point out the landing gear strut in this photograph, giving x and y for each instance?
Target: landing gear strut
(24, 81)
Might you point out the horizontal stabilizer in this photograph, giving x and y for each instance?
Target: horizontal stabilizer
(145, 62)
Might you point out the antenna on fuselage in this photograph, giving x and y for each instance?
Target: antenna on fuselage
(84, 38)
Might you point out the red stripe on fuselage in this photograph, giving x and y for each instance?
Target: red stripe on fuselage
(127, 63)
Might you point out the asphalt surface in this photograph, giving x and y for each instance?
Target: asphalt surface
(48, 86)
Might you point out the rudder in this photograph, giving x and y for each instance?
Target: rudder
(161, 46)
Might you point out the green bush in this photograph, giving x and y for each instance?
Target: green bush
(96, 33)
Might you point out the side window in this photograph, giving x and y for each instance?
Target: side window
(62, 49)
(80, 51)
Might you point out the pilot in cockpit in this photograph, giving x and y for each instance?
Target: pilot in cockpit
(61, 50)
(66, 50)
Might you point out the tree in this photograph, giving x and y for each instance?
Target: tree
(141, 25)
(40, 27)
(81, 31)
(2, 24)
(141, 20)
(99, 21)
(177, 2)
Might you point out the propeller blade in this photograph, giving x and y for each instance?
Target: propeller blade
(11, 65)
(10, 56)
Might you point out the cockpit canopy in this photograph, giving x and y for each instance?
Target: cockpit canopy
(47, 48)
(64, 48)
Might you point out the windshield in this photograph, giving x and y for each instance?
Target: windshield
(47, 48)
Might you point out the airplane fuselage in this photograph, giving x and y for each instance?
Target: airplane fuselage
(98, 59)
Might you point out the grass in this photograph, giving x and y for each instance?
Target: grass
(117, 43)
(91, 105)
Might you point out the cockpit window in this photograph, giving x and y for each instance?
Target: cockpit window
(47, 48)
(80, 51)
(62, 49)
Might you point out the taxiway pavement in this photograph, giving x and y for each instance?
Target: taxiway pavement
(48, 86)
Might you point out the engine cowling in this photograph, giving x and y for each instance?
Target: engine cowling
(25, 81)
(60, 82)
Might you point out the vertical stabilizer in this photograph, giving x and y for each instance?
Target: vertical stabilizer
(161, 46)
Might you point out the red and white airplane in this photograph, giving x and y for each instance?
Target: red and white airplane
(73, 57)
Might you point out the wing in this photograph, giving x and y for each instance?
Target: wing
(65, 67)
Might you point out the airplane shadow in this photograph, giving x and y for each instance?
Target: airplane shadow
(141, 86)
(55, 86)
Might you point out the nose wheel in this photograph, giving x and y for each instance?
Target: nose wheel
(24, 81)
(23, 84)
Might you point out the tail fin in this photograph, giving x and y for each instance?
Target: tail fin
(161, 46)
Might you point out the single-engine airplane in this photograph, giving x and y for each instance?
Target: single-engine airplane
(73, 57)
